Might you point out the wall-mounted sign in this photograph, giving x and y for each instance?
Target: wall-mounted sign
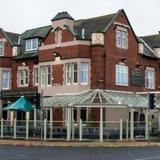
(137, 77)
(13, 94)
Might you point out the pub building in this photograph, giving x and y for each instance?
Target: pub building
(86, 64)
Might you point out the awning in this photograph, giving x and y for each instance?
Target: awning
(99, 97)
(22, 104)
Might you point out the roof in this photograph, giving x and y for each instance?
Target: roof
(148, 52)
(92, 25)
(62, 15)
(12, 38)
(98, 98)
(152, 40)
(40, 33)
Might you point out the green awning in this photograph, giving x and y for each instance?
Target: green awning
(22, 104)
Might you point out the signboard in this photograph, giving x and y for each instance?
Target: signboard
(13, 94)
(137, 77)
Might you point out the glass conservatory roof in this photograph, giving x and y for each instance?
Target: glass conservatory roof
(99, 97)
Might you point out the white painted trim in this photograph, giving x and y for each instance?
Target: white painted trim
(65, 44)
(121, 24)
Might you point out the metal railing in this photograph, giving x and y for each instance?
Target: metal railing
(79, 130)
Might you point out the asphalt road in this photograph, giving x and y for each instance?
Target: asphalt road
(78, 153)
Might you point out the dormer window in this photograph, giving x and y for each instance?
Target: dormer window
(31, 44)
(1, 49)
(121, 38)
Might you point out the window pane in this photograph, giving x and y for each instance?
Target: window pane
(75, 73)
(121, 75)
(1, 49)
(150, 78)
(5, 79)
(35, 76)
(49, 80)
(84, 73)
(68, 73)
(43, 75)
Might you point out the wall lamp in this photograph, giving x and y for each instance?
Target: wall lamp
(24, 63)
(124, 60)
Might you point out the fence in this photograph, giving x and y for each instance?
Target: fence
(82, 131)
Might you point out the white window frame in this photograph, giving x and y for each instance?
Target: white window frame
(150, 81)
(68, 73)
(73, 73)
(1, 48)
(31, 44)
(8, 79)
(84, 71)
(121, 75)
(45, 72)
(121, 38)
(24, 77)
(36, 78)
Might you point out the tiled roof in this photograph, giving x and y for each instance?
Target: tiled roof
(91, 25)
(13, 37)
(62, 15)
(152, 40)
(32, 33)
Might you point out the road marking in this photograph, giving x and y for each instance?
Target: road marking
(149, 158)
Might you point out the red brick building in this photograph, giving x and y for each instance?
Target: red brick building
(73, 56)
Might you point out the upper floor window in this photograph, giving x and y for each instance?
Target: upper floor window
(31, 44)
(84, 73)
(23, 75)
(1, 49)
(121, 39)
(150, 77)
(46, 76)
(71, 73)
(121, 75)
(5, 79)
(36, 76)
(58, 37)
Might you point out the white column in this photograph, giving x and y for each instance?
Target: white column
(72, 121)
(101, 124)
(2, 128)
(35, 117)
(51, 123)
(146, 124)
(127, 129)
(15, 128)
(80, 130)
(45, 129)
(69, 125)
(132, 124)
(11, 118)
(27, 115)
(121, 130)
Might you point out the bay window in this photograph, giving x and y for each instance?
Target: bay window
(150, 77)
(5, 79)
(121, 75)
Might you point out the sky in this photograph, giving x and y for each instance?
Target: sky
(20, 15)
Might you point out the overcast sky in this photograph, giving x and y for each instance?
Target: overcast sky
(20, 15)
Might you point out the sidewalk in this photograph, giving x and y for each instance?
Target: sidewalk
(79, 144)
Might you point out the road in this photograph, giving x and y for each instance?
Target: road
(78, 153)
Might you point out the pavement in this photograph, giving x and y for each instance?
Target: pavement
(79, 144)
